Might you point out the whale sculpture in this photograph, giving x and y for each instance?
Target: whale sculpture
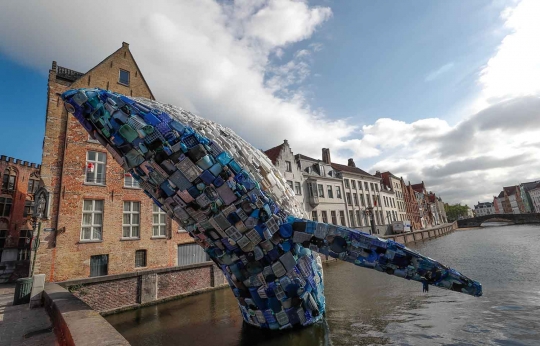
(237, 206)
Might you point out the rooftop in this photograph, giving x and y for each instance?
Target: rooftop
(273, 153)
(349, 169)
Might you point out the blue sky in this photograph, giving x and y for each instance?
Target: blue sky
(391, 84)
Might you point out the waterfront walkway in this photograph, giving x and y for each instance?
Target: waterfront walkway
(21, 326)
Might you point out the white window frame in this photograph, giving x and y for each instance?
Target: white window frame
(95, 235)
(338, 192)
(130, 182)
(288, 166)
(97, 163)
(160, 227)
(297, 188)
(131, 226)
(120, 74)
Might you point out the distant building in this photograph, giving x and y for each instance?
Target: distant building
(395, 185)
(426, 216)
(513, 200)
(411, 206)
(534, 193)
(484, 208)
(525, 195)
(20, 180)
(498, 203)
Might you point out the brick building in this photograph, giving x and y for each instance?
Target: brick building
(100, 222)
(411, 206)
(19, 180)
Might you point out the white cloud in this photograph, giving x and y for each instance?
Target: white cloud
(515, 69)
(219, 60)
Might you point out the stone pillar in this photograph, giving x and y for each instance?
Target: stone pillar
(148, 288)
(38, 285)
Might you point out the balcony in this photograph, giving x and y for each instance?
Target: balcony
(314, 201)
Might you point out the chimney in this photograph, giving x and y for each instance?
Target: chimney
(351, 163)
(326, 156)
(286, 142)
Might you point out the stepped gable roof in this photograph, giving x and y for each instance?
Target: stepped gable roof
(419, 187)
(510, 190)
(345, 168)
(273, 153)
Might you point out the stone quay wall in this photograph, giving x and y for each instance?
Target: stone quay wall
(114, 293)
(411, 237)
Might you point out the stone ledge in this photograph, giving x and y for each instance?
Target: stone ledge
(133, 274)
(75, 323)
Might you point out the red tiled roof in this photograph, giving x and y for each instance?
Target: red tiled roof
(273, 153)
(510, 190)
(418, 187)
(304, 157)
(431, 197)
(501, 195)
(349, 169)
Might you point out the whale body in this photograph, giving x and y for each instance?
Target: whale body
(238, 207)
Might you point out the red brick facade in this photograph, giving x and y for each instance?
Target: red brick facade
(19, 180)
(411, 206)
(63, 253)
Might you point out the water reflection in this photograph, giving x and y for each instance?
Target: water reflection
(369, 308)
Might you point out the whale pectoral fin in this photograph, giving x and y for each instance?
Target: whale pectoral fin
(368, 251)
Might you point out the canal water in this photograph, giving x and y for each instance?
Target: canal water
(365, 307)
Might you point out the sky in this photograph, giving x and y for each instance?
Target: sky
(445, 92)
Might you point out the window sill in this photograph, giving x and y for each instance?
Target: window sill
(129, 239)
(159, 237)
(94, 184)
(90, 241)
(94, 141)
(126, 85)
(132, 188)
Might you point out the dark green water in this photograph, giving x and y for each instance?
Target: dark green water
(365, 307)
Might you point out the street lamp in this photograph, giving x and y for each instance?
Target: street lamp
(371, 216)
(39, 210)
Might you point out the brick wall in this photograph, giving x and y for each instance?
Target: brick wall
(62, 255)
(115, 292)
(179, 282)
(108, 295)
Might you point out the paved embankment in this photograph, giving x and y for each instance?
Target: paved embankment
(21, 326)
(425, 234)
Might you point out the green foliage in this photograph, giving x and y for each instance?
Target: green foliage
(453, 212)
(77, 288)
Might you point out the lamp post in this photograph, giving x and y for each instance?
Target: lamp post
(370, 214)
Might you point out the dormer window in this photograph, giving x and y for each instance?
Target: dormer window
(123, 77)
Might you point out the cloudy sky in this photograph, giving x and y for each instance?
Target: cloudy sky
(447, 92)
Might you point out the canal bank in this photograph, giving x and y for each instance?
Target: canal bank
(421, 235)
(366, 307)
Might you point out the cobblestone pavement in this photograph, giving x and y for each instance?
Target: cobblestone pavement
(21, 326)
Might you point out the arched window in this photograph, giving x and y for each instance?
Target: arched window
(5, 206)
(33, 183)
(8, 181)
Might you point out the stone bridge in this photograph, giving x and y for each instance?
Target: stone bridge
(516, 219)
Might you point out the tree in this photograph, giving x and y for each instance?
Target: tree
(453, 212)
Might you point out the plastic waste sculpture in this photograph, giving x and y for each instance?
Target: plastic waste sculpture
(236, 205)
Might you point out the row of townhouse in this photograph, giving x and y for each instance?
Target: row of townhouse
(517, 199)
(347, 195)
